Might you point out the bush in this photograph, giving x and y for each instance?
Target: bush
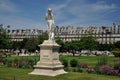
(15, 63)
(116, 52)
(74, 69)
(117, 66)
(90, 69)
(105, 69)
(67, 69)
(84, 65)
(4, 61)
(9, 63)
(102, 60)
(79, 70)
(73, 62)
(1, 58)
(19, 63)
(64, 62)
(31, 63)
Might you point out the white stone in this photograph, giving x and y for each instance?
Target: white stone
(49, 63)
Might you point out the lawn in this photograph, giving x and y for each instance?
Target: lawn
(92, 60)
(8, 73)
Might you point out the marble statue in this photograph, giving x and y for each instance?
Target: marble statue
(49, 63)
(50, 24)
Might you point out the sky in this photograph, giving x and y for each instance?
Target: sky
(30, 14)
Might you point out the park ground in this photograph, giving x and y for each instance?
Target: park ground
(8, 73)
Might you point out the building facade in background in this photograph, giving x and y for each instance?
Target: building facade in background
(104, 35)
(20, 34)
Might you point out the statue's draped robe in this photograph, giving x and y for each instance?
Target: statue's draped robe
(50, 24)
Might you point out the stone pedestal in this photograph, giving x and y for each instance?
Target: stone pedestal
(49, 63)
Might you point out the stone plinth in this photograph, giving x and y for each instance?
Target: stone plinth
(49, 63)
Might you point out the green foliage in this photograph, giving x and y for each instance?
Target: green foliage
(72, 71)
(73, 62)
(64, 62)
(88, 43)
(102, 60)
(61, 43)
(117, 65)
(22, 74)
(79, 70)
(116, 52)
(67, 46)
(23, 43)
(117, 44)
(41, 38)
(103, 47)
(20, 62)
(16, 44)
(4, 38)
(31, 45)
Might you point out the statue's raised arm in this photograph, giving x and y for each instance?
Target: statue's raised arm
(50, 23)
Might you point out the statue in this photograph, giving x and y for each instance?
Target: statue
(49, 63)
(50, 24)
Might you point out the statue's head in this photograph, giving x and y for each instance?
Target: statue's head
(49, 10)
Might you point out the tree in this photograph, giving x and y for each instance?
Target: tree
(88, 43)
(31, 45)
(117, 44)
(72, 47)
(41, 38)
(23, 43)
(16, 44)
(103, 47)
(67, 46)
(116, 52)
(4, 38)
(61, 43)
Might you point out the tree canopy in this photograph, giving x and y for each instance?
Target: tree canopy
(88, 43)
(4, 38)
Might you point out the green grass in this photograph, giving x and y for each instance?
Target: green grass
(7, 73)
(92, 60)
(23, 57)
(22, 74)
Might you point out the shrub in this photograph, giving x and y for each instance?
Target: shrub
(84, 65)
(1, 58)
(64, 62)
(79, 69)
(67, 69)
(90, 69)
(74, 69)
(4, 61)
(31, 63)
(105, 69)
(19, 63)
(23, 63)
(102, 60)
(73, 62)
(15, 63)
(116, 52)
(9, 63)
(117, 66)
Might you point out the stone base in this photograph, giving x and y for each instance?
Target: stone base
(47, 72)
(49, 63)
